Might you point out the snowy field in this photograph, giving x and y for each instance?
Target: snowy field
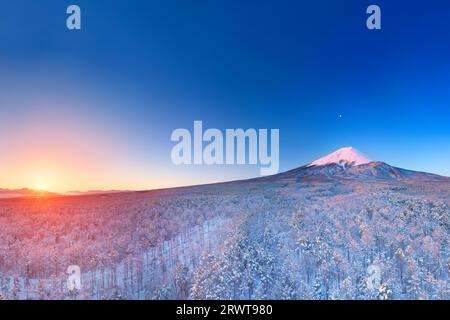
(286, 237)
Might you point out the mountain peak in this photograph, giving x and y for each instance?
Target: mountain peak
(344, 157)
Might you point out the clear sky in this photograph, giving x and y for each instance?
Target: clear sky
(94, 109)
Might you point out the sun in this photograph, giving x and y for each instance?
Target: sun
(41, 186)
(42, 182)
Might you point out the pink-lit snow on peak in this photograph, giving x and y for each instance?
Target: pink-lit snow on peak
(343, 156)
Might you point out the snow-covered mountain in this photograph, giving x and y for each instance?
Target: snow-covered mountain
(350, 163)
(347, 156)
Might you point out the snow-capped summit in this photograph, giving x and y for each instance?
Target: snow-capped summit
(349, 163)
(347, 156)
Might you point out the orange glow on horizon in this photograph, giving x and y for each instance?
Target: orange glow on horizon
(46, 154)
(61, 153)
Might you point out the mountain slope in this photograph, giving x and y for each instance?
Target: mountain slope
(349, 163)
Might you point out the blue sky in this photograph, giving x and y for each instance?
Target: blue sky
(139, 69)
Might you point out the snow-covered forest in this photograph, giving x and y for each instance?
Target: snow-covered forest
(257, 239)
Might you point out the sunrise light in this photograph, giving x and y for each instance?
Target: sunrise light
(42, 186)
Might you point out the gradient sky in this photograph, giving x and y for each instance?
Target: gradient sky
(94, 109)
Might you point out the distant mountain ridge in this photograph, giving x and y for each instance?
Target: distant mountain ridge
(92, 192)
(24, 192)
